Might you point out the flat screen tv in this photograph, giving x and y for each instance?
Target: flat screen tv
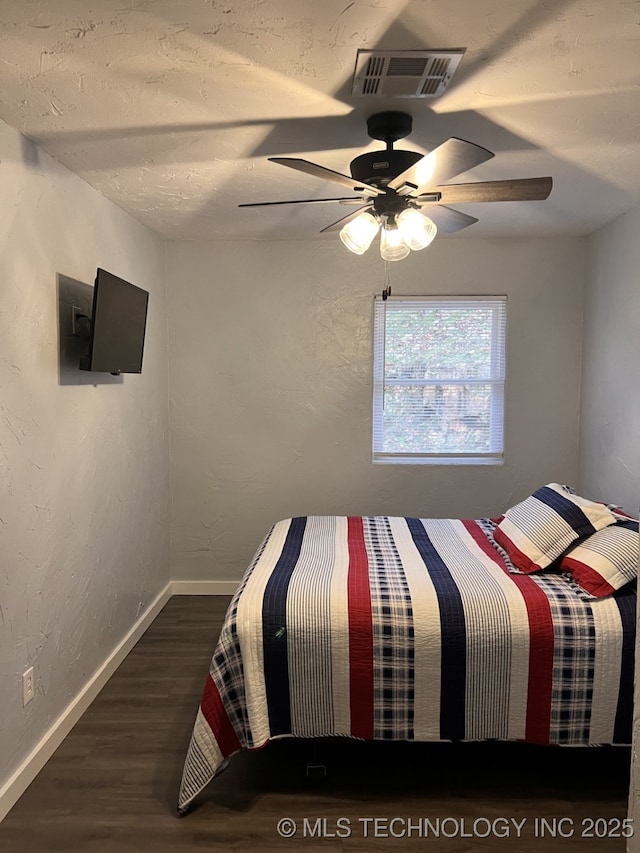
(118, 326)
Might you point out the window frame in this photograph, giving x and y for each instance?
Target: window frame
(497, 381)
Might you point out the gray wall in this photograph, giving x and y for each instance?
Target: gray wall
(270, 359)
(610, 421)
(83, 467)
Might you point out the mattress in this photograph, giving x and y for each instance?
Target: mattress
(389, 628)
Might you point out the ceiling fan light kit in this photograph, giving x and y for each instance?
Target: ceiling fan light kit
(392, 186)
(409, 230)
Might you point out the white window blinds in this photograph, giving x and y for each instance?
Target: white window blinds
(438, 379)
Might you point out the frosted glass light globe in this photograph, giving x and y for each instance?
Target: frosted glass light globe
(417, 229)
(358, 234)
(392, 245)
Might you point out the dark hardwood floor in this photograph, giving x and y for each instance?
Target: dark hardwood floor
(112, 785)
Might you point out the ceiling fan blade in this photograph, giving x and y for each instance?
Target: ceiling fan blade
(443, 163)
(335, 226)
(326, 174)
(446, 218)
(521, 189)
(303, 201)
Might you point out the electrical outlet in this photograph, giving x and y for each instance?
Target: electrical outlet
(27, 686)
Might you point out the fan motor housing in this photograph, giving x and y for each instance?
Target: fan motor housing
(380, 167)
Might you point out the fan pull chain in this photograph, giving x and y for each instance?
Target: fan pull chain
(386, 291)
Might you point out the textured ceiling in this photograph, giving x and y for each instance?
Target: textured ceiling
(171, 107)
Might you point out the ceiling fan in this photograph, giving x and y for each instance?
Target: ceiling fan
(404, 194)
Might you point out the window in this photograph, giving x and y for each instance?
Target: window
(438, 379)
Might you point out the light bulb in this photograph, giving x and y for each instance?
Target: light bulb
(417, 229)
(392, 245)
(358, 234)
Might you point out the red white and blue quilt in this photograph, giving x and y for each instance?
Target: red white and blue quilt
(409, 629)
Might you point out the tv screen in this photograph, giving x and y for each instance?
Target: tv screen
(117, 326)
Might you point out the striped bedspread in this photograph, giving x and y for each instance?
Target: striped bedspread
(409, 629)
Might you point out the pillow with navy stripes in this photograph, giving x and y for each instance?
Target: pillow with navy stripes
(537, 531)
(606, 560)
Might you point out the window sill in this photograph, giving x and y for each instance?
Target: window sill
(436, 460)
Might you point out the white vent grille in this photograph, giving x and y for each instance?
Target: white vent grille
(404, 73)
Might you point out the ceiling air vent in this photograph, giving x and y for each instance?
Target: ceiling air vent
(404, 73)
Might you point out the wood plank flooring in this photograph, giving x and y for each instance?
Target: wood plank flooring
(112, 785)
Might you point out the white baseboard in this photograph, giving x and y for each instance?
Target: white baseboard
(204, 587)
(19, 781)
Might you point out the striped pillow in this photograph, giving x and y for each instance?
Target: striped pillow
(605, 561)
(537, 531)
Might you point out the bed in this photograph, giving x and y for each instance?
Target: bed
(519, 628)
